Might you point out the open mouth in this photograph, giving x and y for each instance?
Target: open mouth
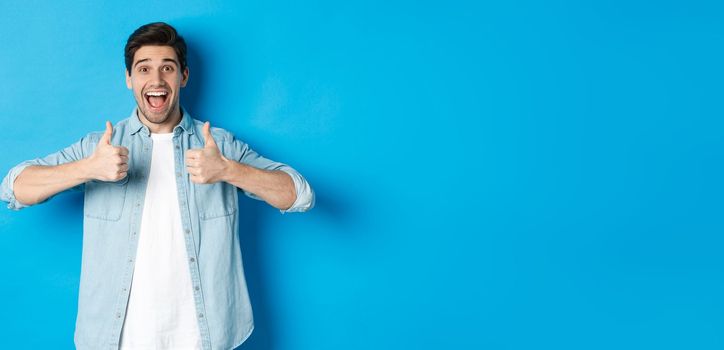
(156, 99)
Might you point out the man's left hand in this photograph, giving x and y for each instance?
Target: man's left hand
(206, 165)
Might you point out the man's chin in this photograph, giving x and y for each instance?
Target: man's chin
(156, 117)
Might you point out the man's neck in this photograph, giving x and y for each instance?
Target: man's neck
(162, 128)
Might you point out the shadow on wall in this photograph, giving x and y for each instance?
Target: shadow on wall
(330, 205)
(250, 231)
(65, 209)
(192, 96)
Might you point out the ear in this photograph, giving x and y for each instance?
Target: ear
(185, 77)
(128, 80)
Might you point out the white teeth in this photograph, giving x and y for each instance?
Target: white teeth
(156, 93)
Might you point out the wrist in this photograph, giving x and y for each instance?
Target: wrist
(228, 170)
(235, 172)
(85, 170)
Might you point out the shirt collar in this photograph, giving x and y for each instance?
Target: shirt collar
(135, 125)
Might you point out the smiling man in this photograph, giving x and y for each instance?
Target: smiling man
(161, 264)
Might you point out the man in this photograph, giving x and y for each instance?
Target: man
(161, 264)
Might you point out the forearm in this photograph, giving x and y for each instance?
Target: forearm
(273, 186)
(37, 183)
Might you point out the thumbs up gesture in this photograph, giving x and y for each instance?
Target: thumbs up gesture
(108, 162)
(206, 165)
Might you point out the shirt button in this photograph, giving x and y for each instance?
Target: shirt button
(192, 259)
(130, 260)
(197, 287)
(118, 315)
(187, 231)
(201, 315)
(177, 147)
(124, 289)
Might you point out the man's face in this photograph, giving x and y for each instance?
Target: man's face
(156, 80)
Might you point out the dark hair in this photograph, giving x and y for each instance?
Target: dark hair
(157, 33)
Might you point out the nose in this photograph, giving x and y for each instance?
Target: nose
(156, 76)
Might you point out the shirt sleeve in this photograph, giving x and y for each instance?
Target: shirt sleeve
(74, 152)
(305, 195)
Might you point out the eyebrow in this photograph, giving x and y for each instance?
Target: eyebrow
(163, 60)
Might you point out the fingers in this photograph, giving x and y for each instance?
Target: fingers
(194, 158)
(208, 139)
(196, 179)
(106, 138)
(199, 179)
(193, 154)
(110, 163)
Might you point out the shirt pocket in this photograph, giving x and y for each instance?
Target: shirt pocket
(215, 200)
(105, 200)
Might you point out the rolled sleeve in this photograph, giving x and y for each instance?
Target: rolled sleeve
(305, 195)
(71, 153)
(8, 193)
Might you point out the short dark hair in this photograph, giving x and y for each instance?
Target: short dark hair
(157, 33)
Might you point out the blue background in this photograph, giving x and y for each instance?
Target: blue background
(521, 175)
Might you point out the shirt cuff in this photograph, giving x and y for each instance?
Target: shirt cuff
(305, 195)
(8, 193)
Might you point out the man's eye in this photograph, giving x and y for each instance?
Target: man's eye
(143, 69)
(167, 68)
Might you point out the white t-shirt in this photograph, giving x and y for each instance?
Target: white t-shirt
(161, 312)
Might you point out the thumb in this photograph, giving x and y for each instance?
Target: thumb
(208, 139)
(106, 138)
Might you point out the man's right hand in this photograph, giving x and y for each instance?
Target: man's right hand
(108, 162)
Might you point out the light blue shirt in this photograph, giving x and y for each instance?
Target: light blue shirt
(209, 214)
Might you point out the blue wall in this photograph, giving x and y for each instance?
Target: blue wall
(522, 175)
